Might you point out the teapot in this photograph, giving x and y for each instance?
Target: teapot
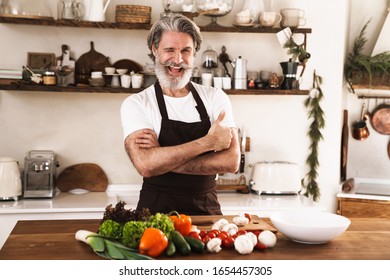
(95, 10)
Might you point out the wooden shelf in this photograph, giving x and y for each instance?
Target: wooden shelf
(120, 90)
(49, 21)
(137, 26)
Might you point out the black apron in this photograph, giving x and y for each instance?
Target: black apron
(187, 194)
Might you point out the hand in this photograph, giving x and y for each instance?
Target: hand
(221, 136)
(147, 139)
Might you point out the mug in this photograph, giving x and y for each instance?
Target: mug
(244, 19)
(292, 17)
(269, 19)
(207, 79)
(137, 80)
(125, 81)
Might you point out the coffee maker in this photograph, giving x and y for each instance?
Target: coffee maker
(290, 75)
(39, 179)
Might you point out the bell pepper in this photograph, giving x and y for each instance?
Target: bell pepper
(181, 222)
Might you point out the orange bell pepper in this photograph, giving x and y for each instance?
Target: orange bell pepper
(153, 242)
(181, 222)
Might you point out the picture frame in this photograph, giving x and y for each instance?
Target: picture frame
(41, 61)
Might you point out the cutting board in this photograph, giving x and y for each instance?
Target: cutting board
(206, 222)
(89, 62)
(86, 176)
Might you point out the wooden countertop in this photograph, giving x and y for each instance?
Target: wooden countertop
(365, 239)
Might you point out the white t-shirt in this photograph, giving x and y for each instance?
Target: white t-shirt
(141, 110)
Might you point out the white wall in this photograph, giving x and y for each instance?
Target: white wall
(368, 158)
(85, 127)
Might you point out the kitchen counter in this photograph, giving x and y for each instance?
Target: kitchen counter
(365, 239)
(91, 205)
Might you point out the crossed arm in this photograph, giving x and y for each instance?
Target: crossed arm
(189, 158)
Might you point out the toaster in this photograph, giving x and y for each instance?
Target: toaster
(276, 177)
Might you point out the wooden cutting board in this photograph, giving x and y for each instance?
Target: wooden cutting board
(89, 62)
(206, 222)
(86, 176)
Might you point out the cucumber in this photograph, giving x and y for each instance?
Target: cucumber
(171, 248)
(181, 244)
(195, 244)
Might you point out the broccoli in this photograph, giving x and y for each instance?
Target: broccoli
(132, 232)
(110, 229)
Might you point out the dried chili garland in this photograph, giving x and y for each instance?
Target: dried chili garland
(316, 114)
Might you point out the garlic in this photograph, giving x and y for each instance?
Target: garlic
(214, 245)
(241, 220)
(268, 238)
(219, 224)
(230, 228)
(243, 244)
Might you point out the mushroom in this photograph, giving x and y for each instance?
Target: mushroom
(214, 245)
(268, 238)
(219, 224)
(241, 220)
(243, 244)
(230, 228)
(252, 237)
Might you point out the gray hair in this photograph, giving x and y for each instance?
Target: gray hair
(176, 23)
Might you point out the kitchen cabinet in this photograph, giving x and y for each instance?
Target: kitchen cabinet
(112, 25)
(363, 207)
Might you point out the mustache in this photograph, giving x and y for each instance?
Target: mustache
(181, 65)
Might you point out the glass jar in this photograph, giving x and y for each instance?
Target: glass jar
(178, 6)
(209, 58)
(49, 78)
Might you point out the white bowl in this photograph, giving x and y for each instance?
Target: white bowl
(110, 70)
(121, 71)
(310, 227)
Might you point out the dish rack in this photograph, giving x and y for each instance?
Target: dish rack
(232, 184)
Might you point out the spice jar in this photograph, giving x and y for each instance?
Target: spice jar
(49, 78)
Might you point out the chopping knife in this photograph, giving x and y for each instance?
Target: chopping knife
(243, 145)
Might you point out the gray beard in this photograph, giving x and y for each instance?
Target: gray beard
(166, 81)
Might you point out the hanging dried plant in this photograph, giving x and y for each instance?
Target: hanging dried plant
(316, 114)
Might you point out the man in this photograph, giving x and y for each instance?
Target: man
(179, 134)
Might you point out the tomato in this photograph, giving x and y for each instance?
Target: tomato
(257, 232)
(202, 233)
(241, 232)
(222, 235)
(195, 235)
(228, 242)
(206, 239)
(216, 231)
(211, 234)
(248, 216)
(260, 246)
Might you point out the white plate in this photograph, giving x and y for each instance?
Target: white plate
(78, 191)
(244, 24)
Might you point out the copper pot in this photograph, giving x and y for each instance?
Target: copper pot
(380, 119)
(359, 128)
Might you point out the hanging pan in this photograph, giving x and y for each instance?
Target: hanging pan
(380, 118)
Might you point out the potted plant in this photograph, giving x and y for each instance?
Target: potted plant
(364, 69)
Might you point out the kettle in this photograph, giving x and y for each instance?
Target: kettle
(240, 78)
(10, 181)
(95, 10)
